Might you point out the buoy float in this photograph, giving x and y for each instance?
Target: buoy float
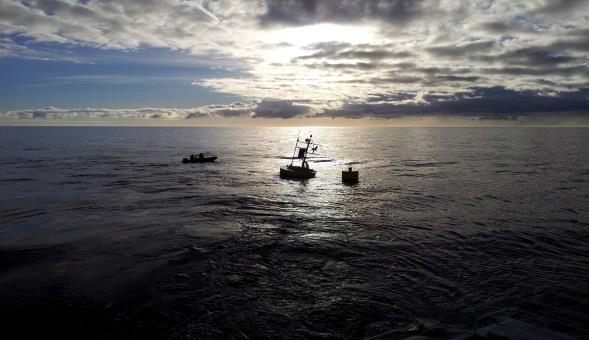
(350, 176)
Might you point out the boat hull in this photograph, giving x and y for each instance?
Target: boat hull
(199, 160)
(296, 172)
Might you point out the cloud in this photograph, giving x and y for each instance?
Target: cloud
(574, 41)
(230, 110)
(543, 71)
(306, 12)
(558, 6)
(119, 79)
(195, 115)
(533, 55)
(55, 113)
(279, 109)
(381, 58)
(495, 103)
(110, 24)
(38, 115)
(496, 118)
(486, 102)
(336, 50)
(468, 48)
(9, 48)
(515, 25)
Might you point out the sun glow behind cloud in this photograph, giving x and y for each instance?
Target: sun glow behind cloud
(306, 35)
(290, 43)
(284, 77)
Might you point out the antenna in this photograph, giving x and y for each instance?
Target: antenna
(295, 149)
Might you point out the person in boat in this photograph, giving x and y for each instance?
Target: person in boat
(306, 165)
(201, 155)
(192, 158)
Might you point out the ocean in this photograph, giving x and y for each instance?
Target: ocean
(104, 233)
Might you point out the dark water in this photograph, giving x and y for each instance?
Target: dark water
(105, 234)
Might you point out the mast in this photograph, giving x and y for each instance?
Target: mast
(295, 149)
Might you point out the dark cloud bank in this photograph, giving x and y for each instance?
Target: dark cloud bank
(486, 102)
(496, 103)
(305, 12)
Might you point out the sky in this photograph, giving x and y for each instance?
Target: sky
(284, 62)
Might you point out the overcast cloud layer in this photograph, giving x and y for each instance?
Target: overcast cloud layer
(489, 58)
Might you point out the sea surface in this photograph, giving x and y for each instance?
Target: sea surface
(104, 233)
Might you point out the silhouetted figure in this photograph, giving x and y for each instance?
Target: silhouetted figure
(201, 155)
(192, 158)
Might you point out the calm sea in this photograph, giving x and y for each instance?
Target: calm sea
(104, 233)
